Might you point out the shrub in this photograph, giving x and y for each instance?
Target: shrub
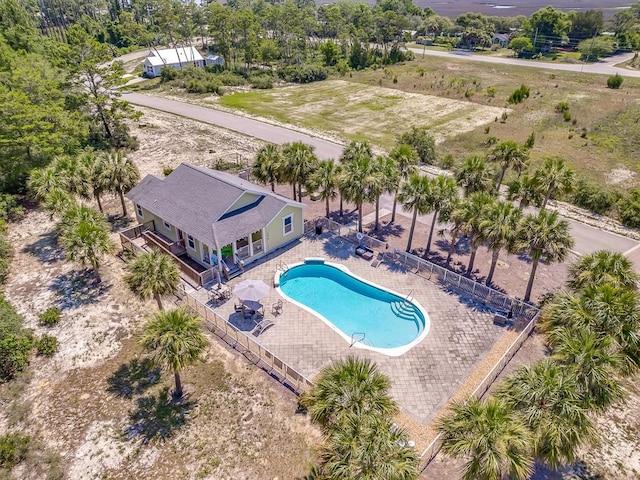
(6, 253)
(562, 107)
(47, 345)
(593, 197)
(566, 116)
(50, 317)
(519, 94)
(530, 142)
(491, 92)
(504, 117)
(262, 82)
(230, 79)
(13, 449)
(492, 140)
(629, 209)
(166, 171)
(422, 141)
(10, 210)
(304, 73)
(15, 350)
(168, 74)
(447, 161)
(615, 81)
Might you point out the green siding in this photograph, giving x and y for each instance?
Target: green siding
(275, 228)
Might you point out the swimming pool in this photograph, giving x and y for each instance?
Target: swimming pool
(364, 314)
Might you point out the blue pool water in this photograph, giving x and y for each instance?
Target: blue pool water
(353, 306)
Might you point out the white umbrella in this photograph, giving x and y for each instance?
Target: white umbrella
(252, 290)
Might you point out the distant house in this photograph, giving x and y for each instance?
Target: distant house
(214, 60)
(500, 39)
(177, 58)
(203, 216)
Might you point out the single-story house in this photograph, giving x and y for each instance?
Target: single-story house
(500, 39)
(206, 216)
(214, 60)
(177, 58)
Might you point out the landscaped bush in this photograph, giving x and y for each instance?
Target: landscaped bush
(593, 197)
(13, 449)
(629, 209)
(305, 73)
(615, 81)
(519, 94)
(47, 345)
(50, 317)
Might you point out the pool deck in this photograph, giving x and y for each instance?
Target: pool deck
(423, 379)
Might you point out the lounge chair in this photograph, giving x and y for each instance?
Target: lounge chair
(378, 260)
(364, 252)
(262, 326)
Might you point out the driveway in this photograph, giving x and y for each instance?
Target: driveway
(587, 239)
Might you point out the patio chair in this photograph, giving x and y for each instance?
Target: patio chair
(262, 326)
(276, 308)
(378, 260)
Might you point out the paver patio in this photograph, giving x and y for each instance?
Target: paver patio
(460, 335)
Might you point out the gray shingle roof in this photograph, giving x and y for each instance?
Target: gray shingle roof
(193, 198)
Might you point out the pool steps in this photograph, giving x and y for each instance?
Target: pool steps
(404, 310)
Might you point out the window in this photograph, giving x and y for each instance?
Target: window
(205, 254)
(191, 242)
(167, 225)
(288, 224)
(139, 211)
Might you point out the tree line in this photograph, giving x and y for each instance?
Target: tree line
(467, 202)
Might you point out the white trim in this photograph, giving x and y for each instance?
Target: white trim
(139, 210)
(167, 225)
(191, 240)
(392, 352)
(284, 225)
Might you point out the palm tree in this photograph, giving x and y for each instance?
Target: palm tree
(93, 165)
(474, 211)
(44, 181)
(608, 311)
(527, 191)
(547, 396)
(403, 160)
(367, 447)
(175, 341)
(474, 175)
(414, 197)
(491, 436)
(592, 360)
(153, 274)
(121, 175)
(298, 163)
(498, 229)
(356, 150)
(554, 177)
(267, 165)
(378, 185)
(87, 241)
(349, 387)
(58, 202)
(508, 155)
(358, 181)
(602, 267)
(76, 174)
(75, 213)
(543, 237)
(442, 193)
(325, 181)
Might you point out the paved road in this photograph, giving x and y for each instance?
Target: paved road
(587, 239)
(606, 67)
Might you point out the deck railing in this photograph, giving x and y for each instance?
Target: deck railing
(258, 246)
(252, 350)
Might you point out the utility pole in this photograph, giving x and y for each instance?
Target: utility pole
(593, 40)
(535, 40)
(424, 45)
